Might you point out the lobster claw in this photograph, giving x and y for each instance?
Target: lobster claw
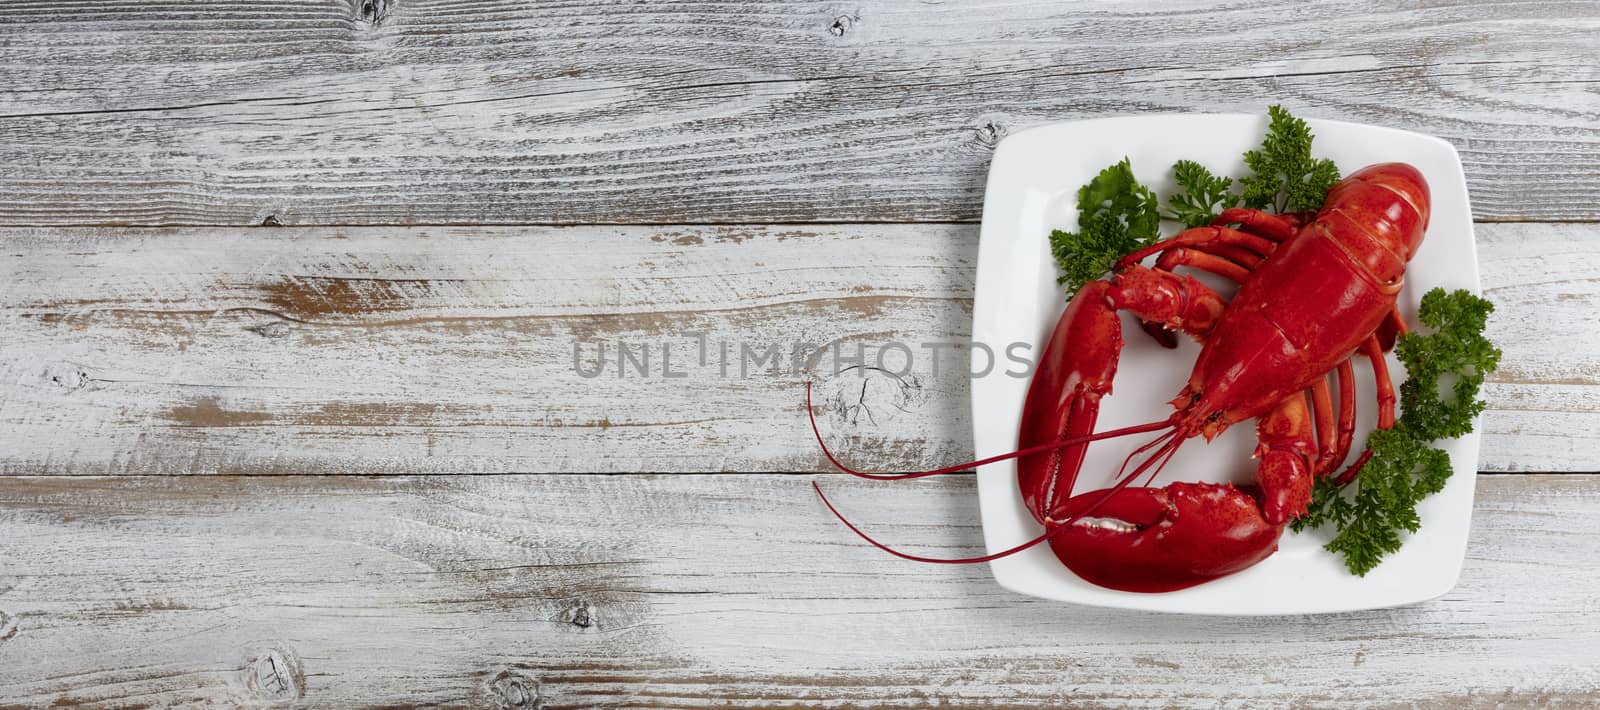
(1063, 401)
(1079, 363)
(1163, 539)
(1150, 539)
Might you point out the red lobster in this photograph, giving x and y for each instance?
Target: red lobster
(1311, 295)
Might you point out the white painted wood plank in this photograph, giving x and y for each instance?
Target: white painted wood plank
(1547, 299)
(692, 591)
(508, 111)
(445, 350)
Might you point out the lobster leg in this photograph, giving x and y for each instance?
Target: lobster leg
(1201, 236)
(1216, 264)
(1322, 410)
(1256, 222)
(1347, 418)
(1380, 371)
(1238, 255)
(1373, 349)
(1275, 228)
(1391, 329)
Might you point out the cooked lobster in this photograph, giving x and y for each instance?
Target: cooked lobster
(1314, 290)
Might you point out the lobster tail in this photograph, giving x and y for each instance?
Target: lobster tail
(1367, 199)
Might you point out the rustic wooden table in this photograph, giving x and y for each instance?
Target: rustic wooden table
(289, 292)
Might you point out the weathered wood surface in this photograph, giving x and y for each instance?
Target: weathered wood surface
(127, 354)
(507, 111)
(417, 350)
(693, 591)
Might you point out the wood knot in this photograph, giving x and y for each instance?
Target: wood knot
(274, 674)
(579, 613)
(271, 221)
(990, 133)
(874, 396)
(275, 329)
(514, 691)
(371, 13)
(841, 25)
(8, 626)
(67, 375)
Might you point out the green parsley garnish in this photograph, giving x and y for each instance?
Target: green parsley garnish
(1203, 196)
(1116, 215)
(1284, 176)
(1457, 348)
(1404, 467)
(1401, 472)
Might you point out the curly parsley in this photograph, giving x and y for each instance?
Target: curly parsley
(1284, 176)
(1116, 215)
(1404, 467)
(1203, 196)
(1456, 349)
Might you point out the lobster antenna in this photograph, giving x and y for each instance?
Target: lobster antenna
(934, 560)
(1165, 453)
(963, 467)
(1149, 479)
(1161, 441)
(1072, 477)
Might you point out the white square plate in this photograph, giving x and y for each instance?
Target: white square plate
(1032, 189)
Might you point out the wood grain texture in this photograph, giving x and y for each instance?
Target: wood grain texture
(448, 350)
(693, 591)
(505, 111)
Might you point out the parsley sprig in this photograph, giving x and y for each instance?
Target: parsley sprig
(1284, 176)
(1456, 349)
(1405, 468)
(1116, 215)
(1203, 196)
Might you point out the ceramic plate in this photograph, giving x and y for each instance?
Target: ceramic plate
(1032, 188)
